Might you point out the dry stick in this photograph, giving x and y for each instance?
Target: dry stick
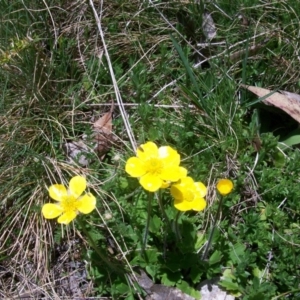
(112, 74)
(137, 105)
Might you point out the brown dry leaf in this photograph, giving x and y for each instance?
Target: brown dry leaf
(77, 151)
(288, 102)
(103, 133)
(104, 124)
(291, 95)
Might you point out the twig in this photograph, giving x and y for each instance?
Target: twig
(112, 74)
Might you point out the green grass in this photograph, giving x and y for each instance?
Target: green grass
(55, 80)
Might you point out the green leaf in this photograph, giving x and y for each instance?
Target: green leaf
(95, 234)
(123, 183)
(122, 288)
(187, 289)
(170, 278)
(195, 274)
(258, 273)
(215, 257)
(237, 252)
(227, 274)
(152, 270)
(229, 285)
(279, 159)
(155, 224)
(293, 138)
(151, 255)
(200, 240)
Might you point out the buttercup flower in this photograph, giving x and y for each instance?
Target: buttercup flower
(70, 201)
(189, 194)
(155, 167)
(224, 186)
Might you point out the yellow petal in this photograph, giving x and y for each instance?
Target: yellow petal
(77, 186)
(198, 204)
(135, 167)
(147, 150)
(57, 192)
(165, 184)
(186, 182)
(86, 204)
(171, 173)
(224, 186)
(182, 205)
(51, 211)
(180, 189)
(176, 192)
(150, 182)
(183, 172)
(201, 189)
(67, 217)
(169, 155)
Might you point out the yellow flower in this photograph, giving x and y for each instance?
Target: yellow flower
(224, 186)
(70, 201)
(189, 194)
(155, 166)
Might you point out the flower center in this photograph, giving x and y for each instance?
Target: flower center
(189, 195)
(69, 203)
(154, 166)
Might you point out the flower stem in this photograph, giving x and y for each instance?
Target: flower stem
(204, 255)
(150, 197)
(166, 222)
(159, 199)
(177, 232)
